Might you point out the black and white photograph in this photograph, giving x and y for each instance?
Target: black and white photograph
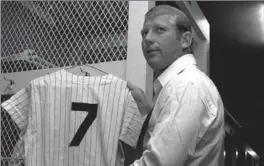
(131, 83)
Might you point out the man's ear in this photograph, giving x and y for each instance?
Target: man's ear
(186, 39)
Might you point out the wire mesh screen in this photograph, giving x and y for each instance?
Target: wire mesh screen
(46, 34)
(12, 151)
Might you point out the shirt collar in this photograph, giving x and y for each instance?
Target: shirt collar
(176, 67)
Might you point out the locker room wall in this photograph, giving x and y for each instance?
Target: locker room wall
(201, 53)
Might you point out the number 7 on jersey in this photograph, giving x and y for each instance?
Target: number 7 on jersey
(92, 109)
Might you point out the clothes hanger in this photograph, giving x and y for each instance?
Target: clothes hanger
(86, 72)
(96, 68)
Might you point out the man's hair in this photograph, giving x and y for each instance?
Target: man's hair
(181, 20)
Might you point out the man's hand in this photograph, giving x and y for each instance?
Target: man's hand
(140, 98)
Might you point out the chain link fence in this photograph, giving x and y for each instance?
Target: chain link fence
(47, 34)
(12, 148)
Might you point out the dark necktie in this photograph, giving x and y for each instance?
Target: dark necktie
(139, 150)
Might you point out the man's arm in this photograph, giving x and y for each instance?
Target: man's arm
(176, 131)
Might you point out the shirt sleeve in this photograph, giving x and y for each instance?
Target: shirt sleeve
(18, 107)
(176, 132)
(132, 123)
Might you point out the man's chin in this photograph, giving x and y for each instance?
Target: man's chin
(154, 65)
(154, 62)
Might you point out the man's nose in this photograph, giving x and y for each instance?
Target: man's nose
(149, 37)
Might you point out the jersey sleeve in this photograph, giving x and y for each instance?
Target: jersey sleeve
(18, 107)
(132, 123)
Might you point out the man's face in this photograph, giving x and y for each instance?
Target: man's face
(160, 44)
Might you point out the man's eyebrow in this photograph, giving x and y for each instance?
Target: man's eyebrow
(146, 28)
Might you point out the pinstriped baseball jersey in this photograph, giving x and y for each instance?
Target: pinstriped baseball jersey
(71, 120)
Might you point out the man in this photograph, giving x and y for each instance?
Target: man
(186, 126)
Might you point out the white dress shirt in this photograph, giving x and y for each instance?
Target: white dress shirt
(186, 127)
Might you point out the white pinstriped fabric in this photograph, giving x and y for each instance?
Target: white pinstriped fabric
(43, 112)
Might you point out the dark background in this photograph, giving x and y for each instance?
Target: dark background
(236, 63)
